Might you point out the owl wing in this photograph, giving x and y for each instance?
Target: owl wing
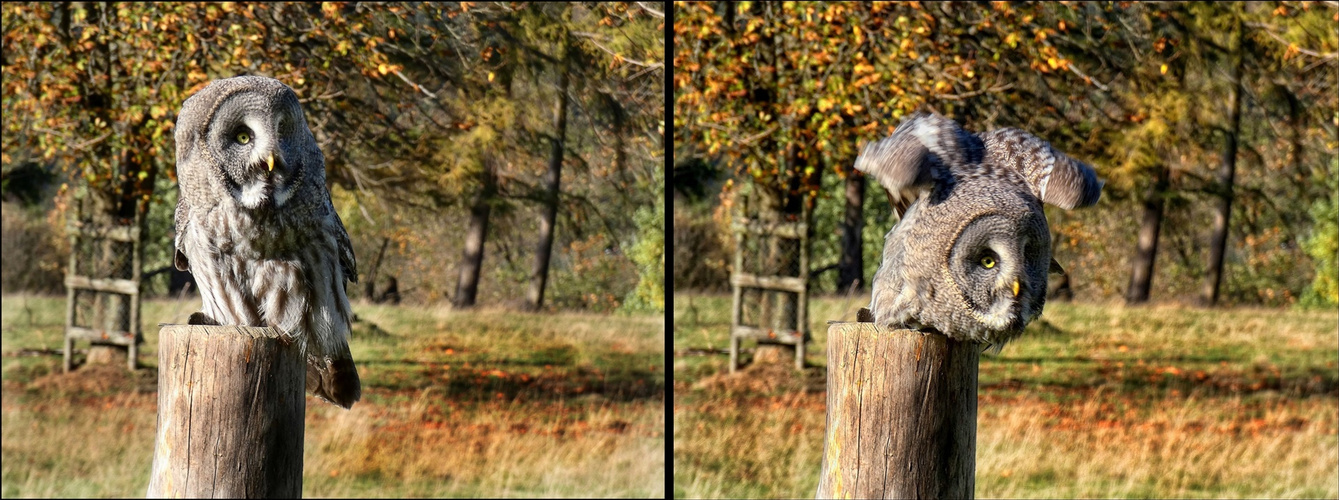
(1052, 176)
(179, 218)
(347, 263)
(346, 260)
(912, 159)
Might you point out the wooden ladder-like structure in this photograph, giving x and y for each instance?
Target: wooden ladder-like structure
(759, 236)
(93, 242)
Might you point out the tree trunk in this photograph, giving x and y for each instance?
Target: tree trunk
(780, 309)
(1141, 272)
(118, 200)
(467, 286)
(111, 260)
(1226, 175)
(231, 409)
(370, 280)
(851, 266)
(901, 414)
(540, 276)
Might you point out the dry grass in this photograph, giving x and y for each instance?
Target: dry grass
(1096, 401)
(1173, 447)
(478, 403)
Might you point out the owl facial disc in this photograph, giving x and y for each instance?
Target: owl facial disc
(988, 265)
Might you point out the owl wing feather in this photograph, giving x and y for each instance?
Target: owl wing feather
(347, 263)
(180, 217)
(911, 160)
(1053, 177)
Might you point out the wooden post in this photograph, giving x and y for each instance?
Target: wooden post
(901, 416)
(231, 405)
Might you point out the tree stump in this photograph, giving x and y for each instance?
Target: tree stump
(901, 414)
(231, 407)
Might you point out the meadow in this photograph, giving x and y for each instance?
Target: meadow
(1095, 400)
(482, 402)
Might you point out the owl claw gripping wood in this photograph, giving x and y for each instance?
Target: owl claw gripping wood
(256, 228)
(970, 255)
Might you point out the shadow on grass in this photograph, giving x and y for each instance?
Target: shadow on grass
(1161, 375)
(473, 384)
(535, 380)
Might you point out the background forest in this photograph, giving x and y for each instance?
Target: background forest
(1215, 128)
(1213, 125)
(508, 156)
(453, 133)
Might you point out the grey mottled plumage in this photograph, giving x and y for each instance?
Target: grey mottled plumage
(970, 255)
(256, 228)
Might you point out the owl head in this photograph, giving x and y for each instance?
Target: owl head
(247, 137)
(971, 253)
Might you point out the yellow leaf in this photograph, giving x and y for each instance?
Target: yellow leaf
(490, 76)
(381, 68)
(1163, 69)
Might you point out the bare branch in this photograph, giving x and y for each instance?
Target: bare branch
(593, 36)
(1086, 78)
(651, 11)
(415, 85)
(76, 147)
(1268, 31)
(999, 88)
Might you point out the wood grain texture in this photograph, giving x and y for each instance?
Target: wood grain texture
(901, 414)
(231, 409)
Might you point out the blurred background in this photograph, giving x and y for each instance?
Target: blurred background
(486, 158)
(1198, 312)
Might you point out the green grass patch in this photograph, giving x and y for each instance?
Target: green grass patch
(455, 403)
(1092, 401)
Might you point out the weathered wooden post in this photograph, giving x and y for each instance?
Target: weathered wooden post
(901, 416)
(231, 405)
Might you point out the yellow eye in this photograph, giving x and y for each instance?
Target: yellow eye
(243, 137)
(988, 262)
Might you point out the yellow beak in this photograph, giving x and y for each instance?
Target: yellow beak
(1015, 288)
(269, 162)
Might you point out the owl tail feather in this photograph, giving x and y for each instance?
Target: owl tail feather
(334, 379)
(994, 348)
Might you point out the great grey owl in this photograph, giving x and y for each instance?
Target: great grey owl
(256, 228)
(970, 255)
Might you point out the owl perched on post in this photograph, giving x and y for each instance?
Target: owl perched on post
(256, 228)
(970, 255)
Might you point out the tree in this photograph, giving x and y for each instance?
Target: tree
(552, 178)
(1227, 174)
(93, 88)
(851, 267)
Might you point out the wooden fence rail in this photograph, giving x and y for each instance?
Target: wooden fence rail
(901, 414)
(231, 404)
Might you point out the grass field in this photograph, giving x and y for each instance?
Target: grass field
(473, 403)
(1093, 401)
